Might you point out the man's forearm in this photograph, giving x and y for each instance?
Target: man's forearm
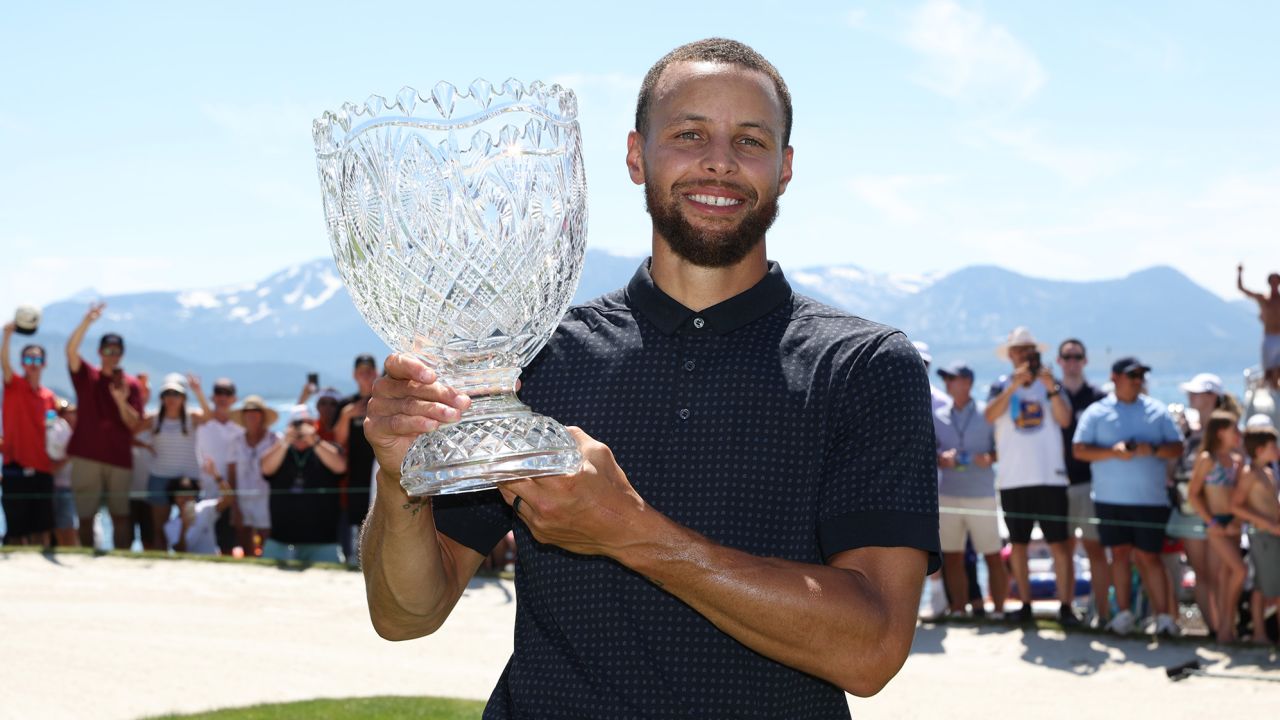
(827, 621)
(1092, 453)
(1169, 451)
(408, 585)
(998, 405)
(129, 415)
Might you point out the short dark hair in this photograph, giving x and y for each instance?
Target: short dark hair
(1256, 438)
(111, 339)
(719, 50)
(34, 346)
(366, 359)
(1073, 341)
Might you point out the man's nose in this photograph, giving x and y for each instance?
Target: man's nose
(720, 157)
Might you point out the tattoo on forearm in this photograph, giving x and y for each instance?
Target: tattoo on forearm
(413, 506)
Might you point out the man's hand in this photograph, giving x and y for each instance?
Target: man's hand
(1120, 451)
(590, 512)
(93, 313)
(407, 401)
(947, 459)
(9, 327)
(1021, 376)
(1046, 378)
(1144, 450)
(119, 392)
(984, 460)
(193, 382)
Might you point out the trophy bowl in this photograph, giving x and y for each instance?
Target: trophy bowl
(458, 224)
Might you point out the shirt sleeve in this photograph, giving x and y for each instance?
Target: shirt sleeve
(477, 520)
(996, 388)
(1169, 431)
(879, 484)
(1087, 429)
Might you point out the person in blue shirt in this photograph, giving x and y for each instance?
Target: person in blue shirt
(1128, 436)
(967, 490)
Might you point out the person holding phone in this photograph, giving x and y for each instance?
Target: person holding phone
(303, 473)
(1028, 411)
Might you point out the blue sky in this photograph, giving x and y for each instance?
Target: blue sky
(167, 145)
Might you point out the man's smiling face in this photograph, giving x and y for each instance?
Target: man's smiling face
(712, 162)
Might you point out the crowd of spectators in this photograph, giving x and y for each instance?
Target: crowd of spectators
(1112, 474)
(1107, 472)
(215, 478)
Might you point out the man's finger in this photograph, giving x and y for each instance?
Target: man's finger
(403, 366)
(394, 426)
(389, 406)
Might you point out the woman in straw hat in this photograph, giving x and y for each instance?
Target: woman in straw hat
(252, 493)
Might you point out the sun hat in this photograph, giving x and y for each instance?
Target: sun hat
(255, 402)
(301, 413)
(923, 349)
(26, 319)
(1020, 337)
(1202, 383)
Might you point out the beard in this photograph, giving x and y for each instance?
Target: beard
(709, 248)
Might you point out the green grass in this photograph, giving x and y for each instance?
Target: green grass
(373, 708)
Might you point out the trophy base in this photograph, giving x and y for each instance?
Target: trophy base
(478, 453)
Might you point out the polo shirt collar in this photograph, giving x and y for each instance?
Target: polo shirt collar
(671, 317)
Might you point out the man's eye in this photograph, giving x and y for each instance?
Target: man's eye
(751, 141)
(688, 135)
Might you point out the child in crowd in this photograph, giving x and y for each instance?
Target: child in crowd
(1255, 500)
(1213, 478)
(193, 529)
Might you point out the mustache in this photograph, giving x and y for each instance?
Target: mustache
(742, 190)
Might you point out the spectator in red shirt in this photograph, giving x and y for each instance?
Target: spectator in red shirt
(110, 402)
(28, 471)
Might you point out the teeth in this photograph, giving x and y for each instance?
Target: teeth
(714, 200)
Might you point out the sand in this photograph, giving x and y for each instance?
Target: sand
(115, 637)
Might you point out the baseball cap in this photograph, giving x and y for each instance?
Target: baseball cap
(111, 339)
(1202, 383)
(174, 382)
(224, 385)
(1126, 365)
(956, 369)
(300, 413)
(1259, 421)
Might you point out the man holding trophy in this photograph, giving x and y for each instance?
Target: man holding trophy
(742, 522)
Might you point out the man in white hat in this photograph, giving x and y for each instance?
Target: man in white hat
(1028, 411)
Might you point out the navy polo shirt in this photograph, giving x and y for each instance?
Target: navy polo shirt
(769, 423)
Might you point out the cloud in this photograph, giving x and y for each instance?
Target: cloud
(856, 17)
(968, 58)
(1241, 192)
(888, 193)
(1077, 165)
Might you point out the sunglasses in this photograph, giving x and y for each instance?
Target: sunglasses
(111, 351)
(32, 360)
(230, 392)
(1136, 375)
(1071, 357)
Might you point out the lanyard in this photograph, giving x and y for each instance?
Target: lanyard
(968, 419)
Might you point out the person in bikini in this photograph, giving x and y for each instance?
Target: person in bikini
(1255, 500)
(1213, 478)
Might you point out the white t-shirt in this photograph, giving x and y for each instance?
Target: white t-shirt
(201, 536)
(56, 439)
(248, 460)
(142, 457)
(216, 440)
(1028, 440)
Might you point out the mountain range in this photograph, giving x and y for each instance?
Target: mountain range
(268, 335)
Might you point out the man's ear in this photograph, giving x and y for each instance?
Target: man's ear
(635, 157)
(784, 179)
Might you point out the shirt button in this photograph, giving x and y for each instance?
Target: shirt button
(699, 322)
(684, 413)
(688, 365)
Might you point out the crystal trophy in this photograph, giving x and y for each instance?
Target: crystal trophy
(458, 224)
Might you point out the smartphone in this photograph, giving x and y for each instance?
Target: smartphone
(1033, 363)
(313, 379)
